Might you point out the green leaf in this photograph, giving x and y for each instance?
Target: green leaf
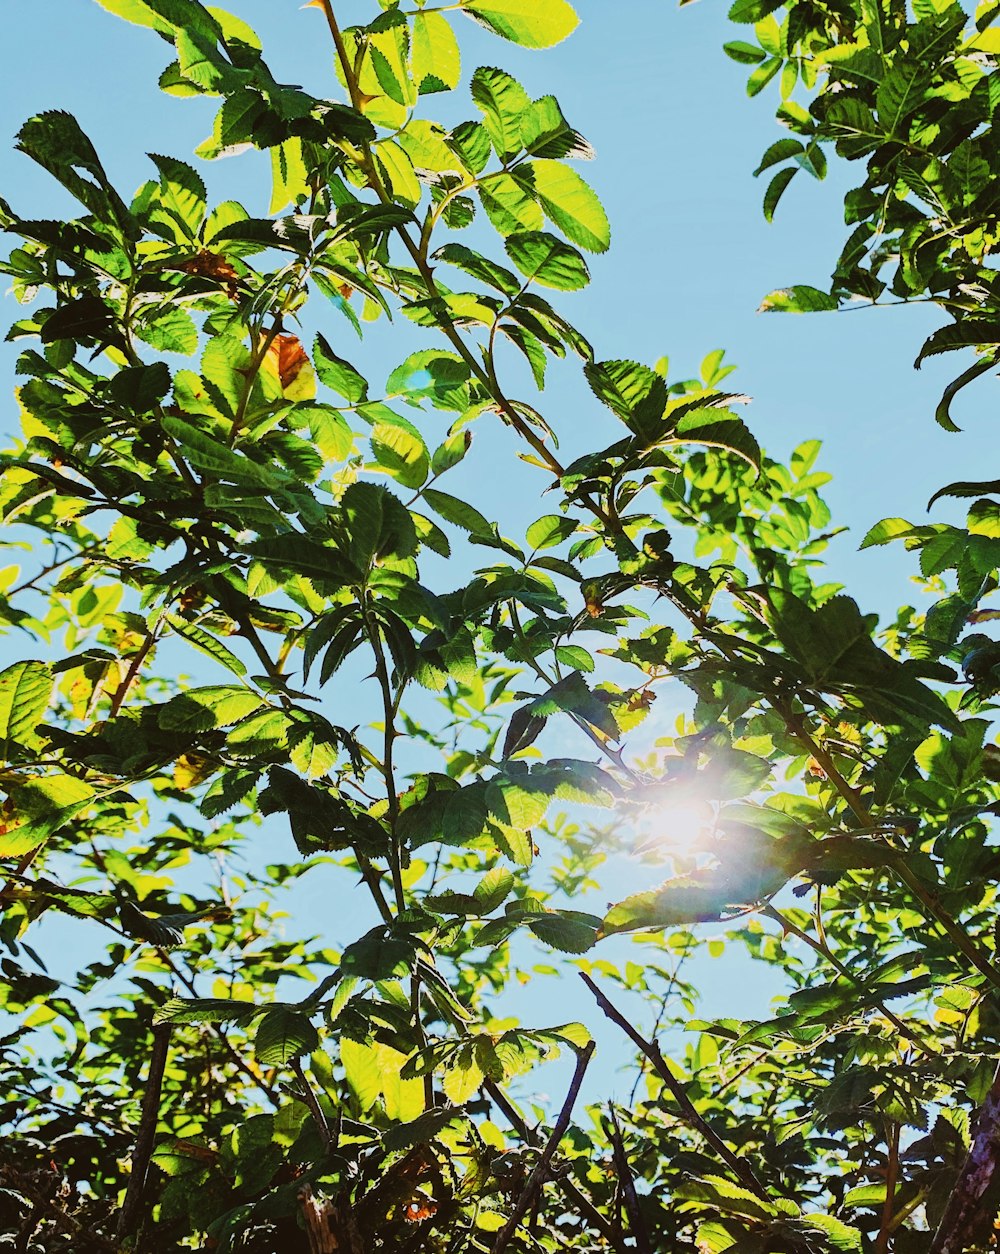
(363, 1070)
(169, 330)
(338, 374)
(746, 54)
(294, 552)
(546, 133)
(289, 174)
(40, 808)
(942, 415)
(887, 530)
(207, 1010)
(140, 388)
(493, 889)
(702, 896)
(780, 150)
(635, 393)
(181, 195)
(728, 1197)
(283, 1034)
(378, 524)
(503, 102)
(329, 430)
(548, 260)
(463, 1075)
(377, 956)
(508, 205)
(480, 267)
(435, 61)
(25, 692)
(431, 374)
(224, 215)
(838, 1235)
(703, 426)
(552, 529)
(399, 447)
(139, 13)
(575, 656)
(775, 190)
(570, 202)
(458, 512)
(762, 75)
(964, 487)
(313, 745)
(530, 23)
(798, 299)
(207, 643)
(202, 709)
(567, 930)
(213, 457)
(969, 333)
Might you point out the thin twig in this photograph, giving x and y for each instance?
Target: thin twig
(132, 1205)
(821, 948)
(635, 1221)
(537, 1177)
(891, 1175)
(590, 1212)
(219, 1032)
(312, 1101)
(513, 1115)
(694, 1120)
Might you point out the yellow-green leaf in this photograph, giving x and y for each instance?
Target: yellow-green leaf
(571, 203)
(530, 23)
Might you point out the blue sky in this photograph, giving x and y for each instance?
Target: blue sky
(691, 256)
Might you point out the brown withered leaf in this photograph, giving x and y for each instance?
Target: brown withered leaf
(419, 1208)
(285, 358)
(209, 265)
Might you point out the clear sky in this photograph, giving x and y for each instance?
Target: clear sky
(691, 255)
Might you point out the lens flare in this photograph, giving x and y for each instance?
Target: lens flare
(676, 826)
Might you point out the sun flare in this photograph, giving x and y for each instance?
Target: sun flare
(676, 826)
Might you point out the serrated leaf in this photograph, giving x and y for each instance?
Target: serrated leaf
(201, 709)
(798, 299)
(458, 512)
(550, 530)
(530, 23)
(776, 189)
(283, 1034)
(207, 643)
(25, 691)
(40, 808)
(570, 202)
(567, 930)
(548, 260)
(207, 1010)
(493, 889)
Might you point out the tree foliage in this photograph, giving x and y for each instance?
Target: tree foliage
(449, 719)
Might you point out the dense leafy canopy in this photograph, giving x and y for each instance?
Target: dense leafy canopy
(209, 486)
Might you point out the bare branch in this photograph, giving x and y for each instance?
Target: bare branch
(691, 1117)
(132, 1205)
(537, 1177)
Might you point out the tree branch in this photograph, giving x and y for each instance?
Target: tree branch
(691, 1117)
(537, 1177)
(132, 1205)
